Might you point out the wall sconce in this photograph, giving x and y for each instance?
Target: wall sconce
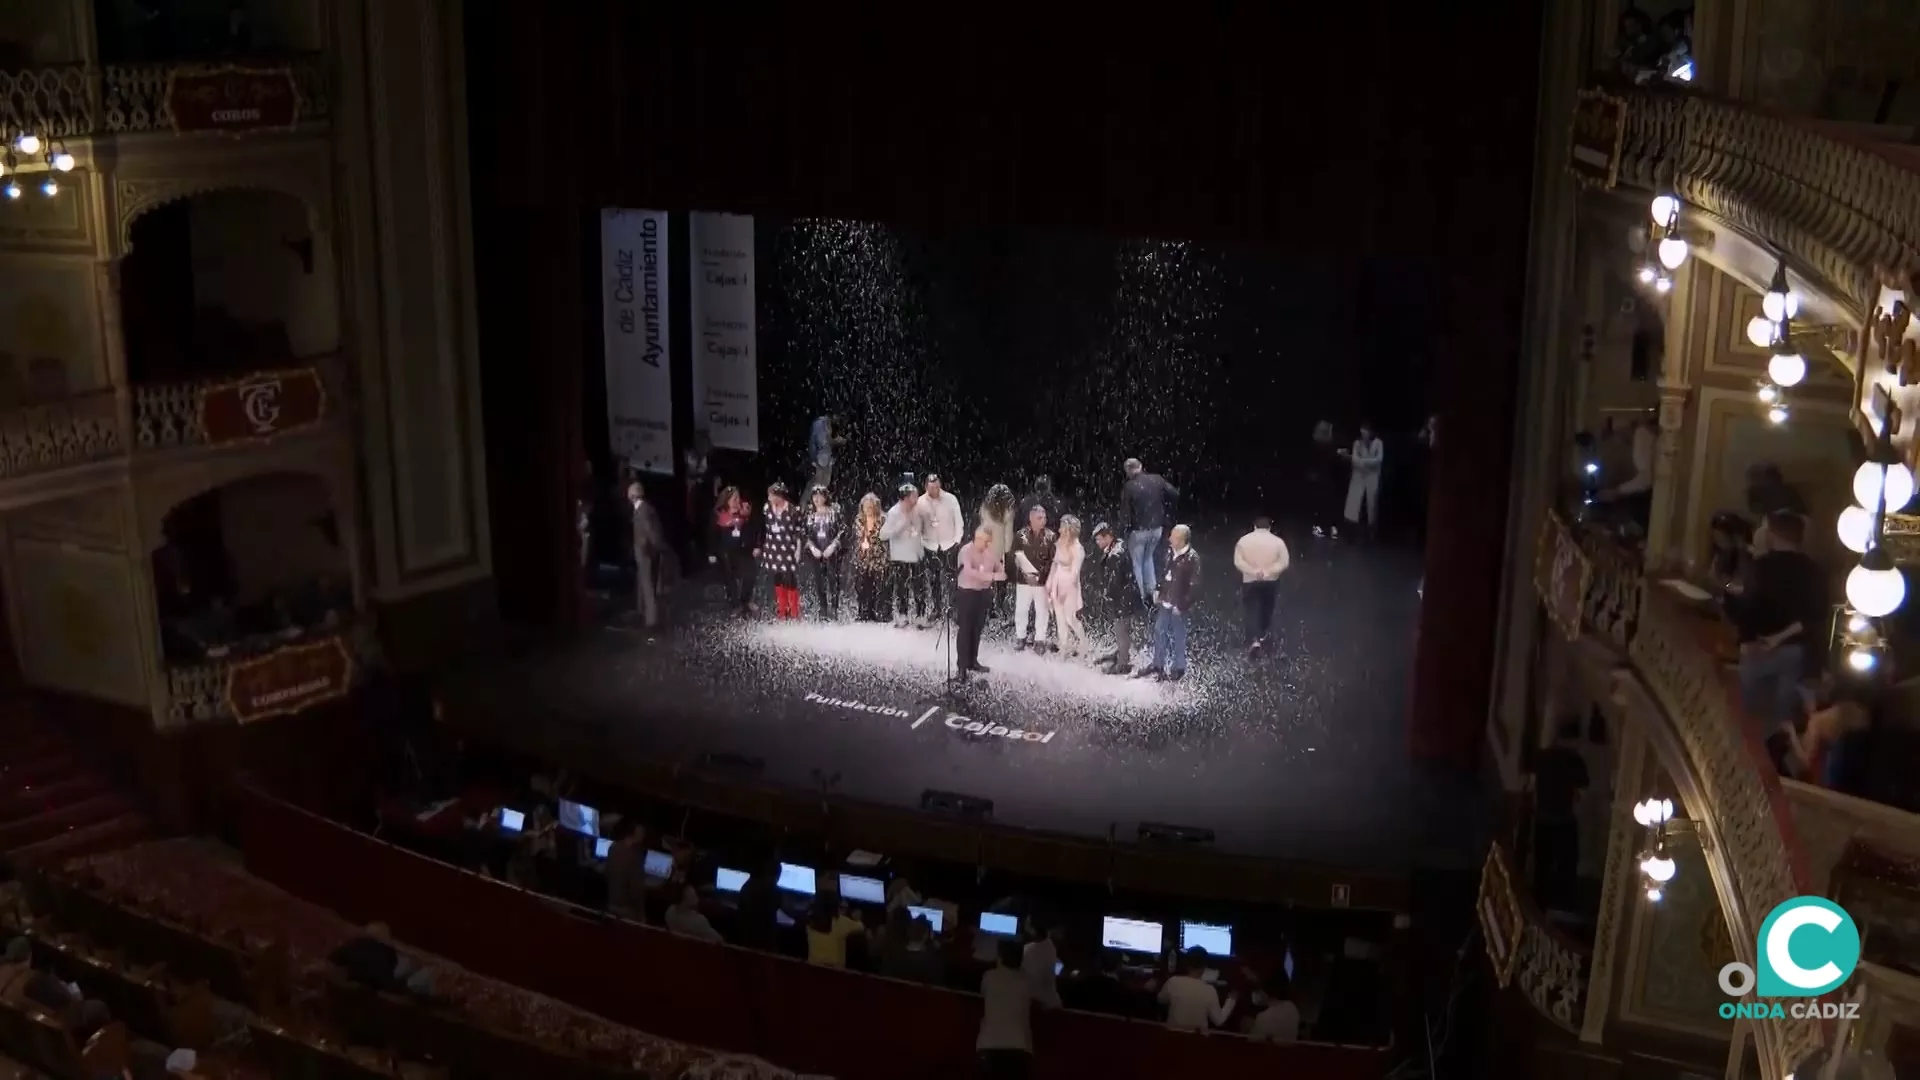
(1657, 864)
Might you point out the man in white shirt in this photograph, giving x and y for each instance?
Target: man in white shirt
(685, 918)
(904, 529)
(945, 528)
(1279, 1022)
(1005, 1042)
(1261, 557)
(1192, 1003)
(1038, 962)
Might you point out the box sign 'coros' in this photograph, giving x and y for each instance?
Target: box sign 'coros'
(233, 99)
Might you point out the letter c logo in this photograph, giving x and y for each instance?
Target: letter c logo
(1808, 946)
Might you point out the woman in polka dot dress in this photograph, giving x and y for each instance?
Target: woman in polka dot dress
(781, 531)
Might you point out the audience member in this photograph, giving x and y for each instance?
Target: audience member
(370, 959)
(758, 908)
(1041, 960)
(917, 959)
(16, 964)
(1103, 992)
(1783, 610)
(1192, 1002)
(900, 893)
(627, 874)
(1280, 1021)
(1005, 1042)
(828, 928)
(686, 919)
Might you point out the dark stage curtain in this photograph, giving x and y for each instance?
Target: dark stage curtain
(1378, 129)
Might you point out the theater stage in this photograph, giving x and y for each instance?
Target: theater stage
(1296, 756)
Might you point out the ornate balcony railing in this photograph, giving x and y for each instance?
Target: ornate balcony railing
(1847, 210)
(260, 680)
(1551, 969)
(1674, 646)
(254, 407)
(69, 101)
(39, 438)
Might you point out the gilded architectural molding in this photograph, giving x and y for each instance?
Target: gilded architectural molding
(1844, 214)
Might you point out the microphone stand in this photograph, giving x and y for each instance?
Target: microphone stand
(945, 638)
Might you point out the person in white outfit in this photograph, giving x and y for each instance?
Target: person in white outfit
(1363, 490)
(1261, 557)
(1063, 588)
(1032, 560)
(946, 528)
(903, 530)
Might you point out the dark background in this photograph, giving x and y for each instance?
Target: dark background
(997, 354)
(1374, 131)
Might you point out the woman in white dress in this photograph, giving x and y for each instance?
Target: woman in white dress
(1063, 588)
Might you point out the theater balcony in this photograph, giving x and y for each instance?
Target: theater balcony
(1723, 334)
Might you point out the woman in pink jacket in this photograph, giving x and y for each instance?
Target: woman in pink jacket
(1063, 588)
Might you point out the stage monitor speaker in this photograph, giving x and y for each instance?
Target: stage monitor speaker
(1155, 832)
(739, 764)
(954, 804)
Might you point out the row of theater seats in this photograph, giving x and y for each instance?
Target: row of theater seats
(281, 1012)
(845, 1024)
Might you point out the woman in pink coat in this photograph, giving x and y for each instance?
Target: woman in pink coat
(1063, 588)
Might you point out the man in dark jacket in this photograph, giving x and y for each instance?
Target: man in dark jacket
(1143, 517)
(1179, 586)
(1118, 596)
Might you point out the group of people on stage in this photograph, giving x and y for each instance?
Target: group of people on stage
(914, 560)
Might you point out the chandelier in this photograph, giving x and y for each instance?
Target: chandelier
(28, 147)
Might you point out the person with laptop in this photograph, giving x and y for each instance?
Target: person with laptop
(1192, 1002)
(1005, 1042)
(1041, 959)
(1279, 1022)
(829, 925)
(627, 874)
(910, 953)
(687, 920)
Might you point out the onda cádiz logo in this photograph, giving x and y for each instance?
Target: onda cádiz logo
(1807, 947)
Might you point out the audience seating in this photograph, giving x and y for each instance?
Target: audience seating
(484, 1029)
(847, 1025)
(42, 1042)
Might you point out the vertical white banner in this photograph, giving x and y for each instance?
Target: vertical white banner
(726, 399)
(634, 313)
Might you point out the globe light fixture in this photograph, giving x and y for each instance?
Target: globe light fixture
(1665, 210)
(1855, 527)
(1861, 661)
(12, 190)
(62, 162)
(1652, 812)
(1875, 480)
(1778, 414)
(1858, 623)
(1767, 393)
(1672, 252)
(27, 143)
(1653, 896)
(1786, 367)
(1762, 331)
(1662, 284)
(1876, 588)
(1781, 302)
(1648, 275)
(50, 187)
(1659, 868)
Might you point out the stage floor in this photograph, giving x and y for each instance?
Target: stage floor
(1299, 755)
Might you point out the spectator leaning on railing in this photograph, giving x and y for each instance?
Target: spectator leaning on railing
(1781, 615)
